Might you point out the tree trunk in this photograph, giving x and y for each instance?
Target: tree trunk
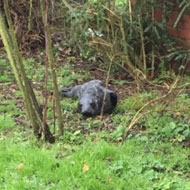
(11, 46)
(50, 60)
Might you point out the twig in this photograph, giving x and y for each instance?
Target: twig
(143, 45)
(130, 12)
(137, 117)
(153, 50)
(110, 11)
(45, 94)
(180, 15)
(30, 16)
(54, 116)
(107, 80)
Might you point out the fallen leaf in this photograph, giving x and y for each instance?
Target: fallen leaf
(68, 51)
(85, 168)
(177, 113)
(109, 179)
(20, 167)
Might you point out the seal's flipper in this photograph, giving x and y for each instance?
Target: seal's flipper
(66, 92)
(113, 98)
(73, 92)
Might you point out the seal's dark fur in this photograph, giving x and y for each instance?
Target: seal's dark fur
(91, 96)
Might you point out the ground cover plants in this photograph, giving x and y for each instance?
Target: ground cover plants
(92, 153)
(94, 165)
(144, 144)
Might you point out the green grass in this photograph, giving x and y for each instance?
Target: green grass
(152, 158)
(118, 2)
(8, 112)
(67, 76)
(135, 102)
(134, 165)
(7, 106)
(6, 122)
(5, 74)
(166, 122)
(34, 70)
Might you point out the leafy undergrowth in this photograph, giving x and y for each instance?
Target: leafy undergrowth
(92, 154)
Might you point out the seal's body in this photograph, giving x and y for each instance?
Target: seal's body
(91, 97)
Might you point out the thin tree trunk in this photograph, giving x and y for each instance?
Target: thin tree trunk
(11, 46)
(50, 60)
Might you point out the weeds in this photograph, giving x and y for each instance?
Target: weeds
(5, 77)
(129, 35)
(6, 122)
(146, 160)
(67, 77)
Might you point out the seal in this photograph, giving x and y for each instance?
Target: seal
(93, 97)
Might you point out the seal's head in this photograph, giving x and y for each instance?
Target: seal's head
(91, 102)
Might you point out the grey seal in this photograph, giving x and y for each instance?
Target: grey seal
(91, 97)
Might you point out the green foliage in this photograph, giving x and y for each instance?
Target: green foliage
(145, 161)
(167, 128)
(111, 29)
(69, 105)
(135, 165)
(118, 134)
(74, 138)
(171, 126)
(134, 103)
(5, 73)
(119, 118)
(120, 82)
(178, 54)
(159, 124)
(182, 101)
(8, 106)
(6, 122)
(67, 76)
(34, 70)
(8, 112)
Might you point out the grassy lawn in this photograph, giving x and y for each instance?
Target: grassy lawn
(91, 155)
(94, 165)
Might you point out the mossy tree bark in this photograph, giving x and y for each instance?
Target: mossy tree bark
(11, 46)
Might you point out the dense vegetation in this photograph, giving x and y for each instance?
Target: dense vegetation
(90, 154)
(143, 144)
